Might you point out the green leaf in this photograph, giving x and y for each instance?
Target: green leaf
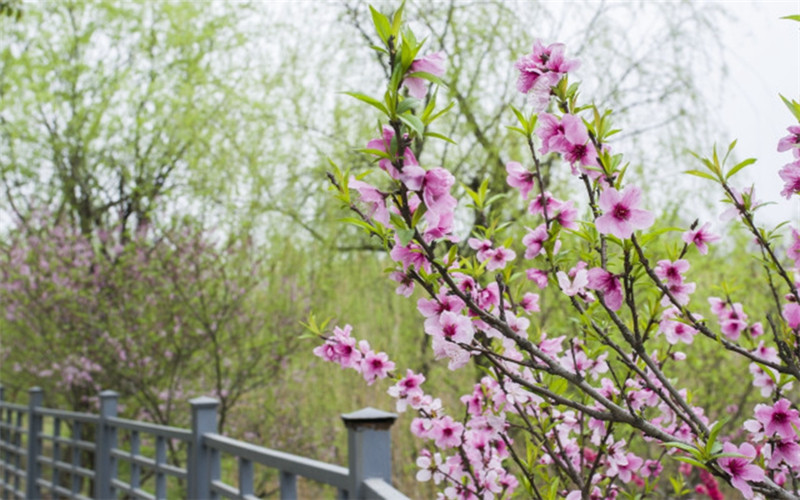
(369, 100)
(404, 235)
(692, 461)
(647, 238)
(794, 17)
(440, 113)
(436, 135)
(682, 446)
(381, 22)
(359, 223)
(793, 106)
(699, 173)
(712, 436)
(407, 104)
(739, 166)
(427, 76)
(414, 123)
(376, 152)
(397, 19)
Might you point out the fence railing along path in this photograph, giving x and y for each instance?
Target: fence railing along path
(81, 455)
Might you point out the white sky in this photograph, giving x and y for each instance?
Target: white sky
(764, 60)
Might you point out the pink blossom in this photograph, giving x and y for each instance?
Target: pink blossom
(793, 252)
(537, 276)
(385, 144)
(446, 432)
(621, 213)
(746, 198)
(718, 306)
(762, 379)
(489, 296)
(410, 255)
(450, 326)
(791, 141)
(676, 331)
(375, 200)
(534, 241)
(739, 468)
(672, 272)
(566, 215)
(530, 302)
(790, 173)
(439, 202)
(680, 292)
(778, 418)
(483, 247)
(576, 286)
(766, 353)
(699, 237)
(624, 469)
(406, 287)
(551, 347)
(520, 178)
(375, 366)
(609, 284)
(429, 63)
(651, 468)
(791, 313)
(421, 427)
(578, 149)
(499, 258)
(413, 176)
(549, 59)
(540, 202)
(551, 132)
(443, 302)
(785, 450)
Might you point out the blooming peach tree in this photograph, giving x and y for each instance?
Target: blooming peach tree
(557, 413)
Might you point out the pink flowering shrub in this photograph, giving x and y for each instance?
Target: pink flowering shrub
(158, 316)
(593, 410)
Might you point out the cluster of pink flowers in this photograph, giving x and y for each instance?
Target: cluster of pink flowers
(790, 173)
(732, 319)
(475, 308)
(541, 70)
(343, 349)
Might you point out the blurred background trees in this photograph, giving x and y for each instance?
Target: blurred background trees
(164, 226)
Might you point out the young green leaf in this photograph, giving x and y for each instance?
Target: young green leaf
(369, 100)
(382, 26)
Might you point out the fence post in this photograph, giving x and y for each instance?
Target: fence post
(105, 466)
(204, 421)
(369, 447)
(35, 399)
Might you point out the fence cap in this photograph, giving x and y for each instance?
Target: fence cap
(204, 402)
(369, 417)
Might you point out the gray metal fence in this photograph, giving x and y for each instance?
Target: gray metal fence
(81, 455)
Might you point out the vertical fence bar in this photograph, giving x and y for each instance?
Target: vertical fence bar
(56, 453)
(215, 469)
(5, 436)
(369, 447)
(288, 485)
(161, 459)
(135, 449)
(35, 399)
(246, 477)
(105, 466)
(17, 438)
(76, 457)
(204, 421)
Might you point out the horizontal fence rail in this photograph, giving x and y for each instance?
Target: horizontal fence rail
(80, 455)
